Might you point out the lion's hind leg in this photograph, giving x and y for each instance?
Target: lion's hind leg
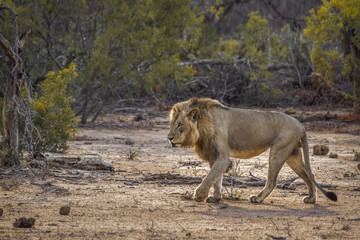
(278, 155)
(296, 163)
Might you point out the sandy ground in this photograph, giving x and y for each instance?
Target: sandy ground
(119, 204)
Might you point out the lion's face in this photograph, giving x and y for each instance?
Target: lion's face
(183, 127)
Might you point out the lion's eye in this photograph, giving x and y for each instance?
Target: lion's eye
(179, 125)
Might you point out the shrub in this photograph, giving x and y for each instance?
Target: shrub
(53, 120)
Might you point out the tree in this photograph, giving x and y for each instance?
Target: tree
(15, 77)
(63, 32)
(262, 49)
(138, 48)
(124, 49)
(45, 122)
(335, 30)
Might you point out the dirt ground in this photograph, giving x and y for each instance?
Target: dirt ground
(122, 204)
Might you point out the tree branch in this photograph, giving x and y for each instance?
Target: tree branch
(327, 82)
(23, 40)
(7, 48)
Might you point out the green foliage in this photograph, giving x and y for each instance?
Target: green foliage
(228, 49)
(334, 30)
(298, 47)
(141, 42)
(254, 37)
(260, 46)
(217, 9)
(53, 118)
(208, 42)
(255, 50)
(119, 46)
(263, 49)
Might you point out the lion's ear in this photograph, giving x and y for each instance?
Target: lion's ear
(173, 111)
(193, 114)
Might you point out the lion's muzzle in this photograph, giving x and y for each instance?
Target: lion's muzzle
(170, 141)
(172, 144)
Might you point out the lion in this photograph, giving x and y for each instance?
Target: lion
(217, 132)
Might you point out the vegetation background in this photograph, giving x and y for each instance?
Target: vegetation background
(104, 75)
(265, 53)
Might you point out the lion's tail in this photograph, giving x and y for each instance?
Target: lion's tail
(331, 195)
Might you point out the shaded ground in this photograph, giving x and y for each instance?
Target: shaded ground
(121, 205)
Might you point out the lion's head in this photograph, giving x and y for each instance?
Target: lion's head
(183, 125)
(191, 125)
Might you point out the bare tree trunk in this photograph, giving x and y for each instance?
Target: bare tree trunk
(349, 47)
(84, 114)
(89, 90)
(14, 78)
(10, 125)
(355, 77)
(356, 89)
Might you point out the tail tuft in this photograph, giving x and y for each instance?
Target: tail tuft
(332, 196)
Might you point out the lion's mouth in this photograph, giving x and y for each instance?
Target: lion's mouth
(175, 144)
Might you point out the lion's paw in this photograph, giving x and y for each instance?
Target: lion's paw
(255, 199)
(309, 200)
(200, 195)
(213, 200)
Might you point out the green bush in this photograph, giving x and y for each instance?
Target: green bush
(53, 120)
(260, 46)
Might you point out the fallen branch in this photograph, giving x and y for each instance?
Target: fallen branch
(316, 117)
(177, 179)
(172, 178)
(87, 162)
(49, 187)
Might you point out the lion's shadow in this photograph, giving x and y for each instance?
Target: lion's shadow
(267, 211)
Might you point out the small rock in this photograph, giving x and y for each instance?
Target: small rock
(222, 206)
(1, 212)
(333, 155)
(320, 150)
(64, 210)
(24, 222)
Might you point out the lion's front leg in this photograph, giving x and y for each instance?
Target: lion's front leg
(213, 178)
(216, 197)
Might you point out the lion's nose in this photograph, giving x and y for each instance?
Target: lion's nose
(170, 138)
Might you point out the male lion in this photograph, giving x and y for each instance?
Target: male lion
(217, 132)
